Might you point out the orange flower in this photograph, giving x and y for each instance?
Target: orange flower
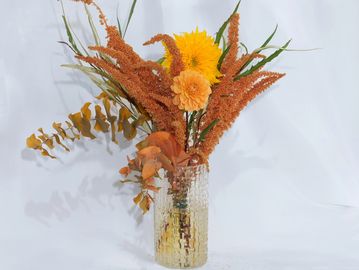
(191, 90)
(125, 171)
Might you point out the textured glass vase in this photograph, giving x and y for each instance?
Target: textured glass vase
(181, 218)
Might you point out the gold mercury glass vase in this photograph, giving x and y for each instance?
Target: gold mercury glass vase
(181, 218)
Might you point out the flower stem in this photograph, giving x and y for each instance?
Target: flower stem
(187, 132)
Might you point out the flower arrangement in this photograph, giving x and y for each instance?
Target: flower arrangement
(183, 102)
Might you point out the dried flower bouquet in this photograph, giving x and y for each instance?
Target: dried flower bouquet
(183, 102)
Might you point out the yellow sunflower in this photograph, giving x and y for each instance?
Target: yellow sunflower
(199, 53)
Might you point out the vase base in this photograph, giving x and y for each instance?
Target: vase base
(172, 265)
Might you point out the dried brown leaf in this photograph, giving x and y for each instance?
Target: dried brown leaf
(101, 124)
(82, 125)
(59, 130)
(33, 143)
(145, 204)
(138, 198)
(111, 119)
(86, 112)
(58, 141)
(45, 153)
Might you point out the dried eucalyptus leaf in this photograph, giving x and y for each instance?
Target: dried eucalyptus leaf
(86, 129)
(86, 112)
(124, 114)
(110, 118)
(49, 143)
(70, 126)
(59, 130)
(76, 120)
(138, 198)
(129, 131)
(101, 124)
(58, 141)
(82, 125)
(45, 153)
(145, 204)
(33, 142)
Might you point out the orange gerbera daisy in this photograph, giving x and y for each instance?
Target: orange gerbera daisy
(191, 90)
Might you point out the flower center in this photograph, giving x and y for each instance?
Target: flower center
(194, 61)
(192, 89)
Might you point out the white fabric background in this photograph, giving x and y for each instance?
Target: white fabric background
(284, 183)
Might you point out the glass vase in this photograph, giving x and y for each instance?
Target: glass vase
(181, 218)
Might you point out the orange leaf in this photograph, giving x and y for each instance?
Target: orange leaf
(168, 145)
(125, 171)
(150, 168)
(150, 181)
(142, 144)
(166, 163)
(149, 152)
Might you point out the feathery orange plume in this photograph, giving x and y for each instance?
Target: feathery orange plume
(177, 64)
(229, 107)
(121, 58)
(233, 40)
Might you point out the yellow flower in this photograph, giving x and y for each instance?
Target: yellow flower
(199, 53)
(191, 90)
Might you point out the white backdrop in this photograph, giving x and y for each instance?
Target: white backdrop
(284, 183)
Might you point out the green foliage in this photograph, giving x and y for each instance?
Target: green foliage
(204, 133)
(130, 16)
(263, 62)
(221, 30)
(223, 56)
(269, 39)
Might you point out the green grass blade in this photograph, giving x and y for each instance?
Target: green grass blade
(245, 47)
(92, 25)
(68, 45)
(204, 133)
(269, 39)
(221, 59)
(224, 46)
(161, 60)
(118, 22)
(130, 16)
(225, 24)
(69, 36)
(68, 31)
(264, 61)
(191, 120)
